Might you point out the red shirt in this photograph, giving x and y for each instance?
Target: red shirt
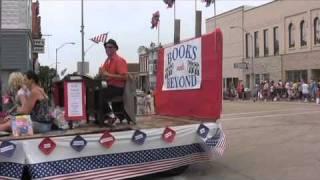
(116, 65)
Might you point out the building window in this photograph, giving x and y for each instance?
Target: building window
(247, 80)
(247, 44)
(276, 40)
(256, 44)
(266, 77)
(297, 75)
(291, 35)
(316, 31)
(143, 61)
(303, 38)
(257, 78)
(265, 43)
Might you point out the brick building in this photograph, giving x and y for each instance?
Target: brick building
(36, 32)
(148, 58)
(16, 38)
(283, 36)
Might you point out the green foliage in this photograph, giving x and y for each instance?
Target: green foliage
(46, 76)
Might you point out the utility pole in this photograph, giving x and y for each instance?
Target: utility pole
(82, 40)
(0, 52)
(252, 78)
(0, 34)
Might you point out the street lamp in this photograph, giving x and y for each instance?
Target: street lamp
(57, 49)
(252, 53)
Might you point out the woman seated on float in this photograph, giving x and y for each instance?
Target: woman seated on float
(18, 88)
(19, 92)
(36, 104)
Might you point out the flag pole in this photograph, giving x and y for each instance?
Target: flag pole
(174, 11)
(195, 5)
(159, 33)
(215, 33)
(215, 13)
(85, 52)
(82, 40)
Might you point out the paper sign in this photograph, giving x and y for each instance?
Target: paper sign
(78, 143)
(203, 131)
(107, 140)
(168, 135)
(75, 100)
(47, 146)
(7, 149)
(139, 137)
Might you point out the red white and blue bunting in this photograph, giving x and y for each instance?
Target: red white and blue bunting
(118, 155)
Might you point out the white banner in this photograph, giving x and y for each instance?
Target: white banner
(75, 101)
(122, 160)
(185, 135)
(182, 66)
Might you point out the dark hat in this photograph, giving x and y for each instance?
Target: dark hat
(113, 42)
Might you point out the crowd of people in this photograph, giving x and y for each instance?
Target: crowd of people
(276, 91)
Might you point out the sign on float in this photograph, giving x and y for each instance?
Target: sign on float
(182, 66)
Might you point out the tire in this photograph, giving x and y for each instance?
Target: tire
(173, 172)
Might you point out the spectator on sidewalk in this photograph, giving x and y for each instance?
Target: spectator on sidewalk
(240, 90)
(305, 91)
(148, 102)
(255, 91)
(313, 90)
(266, 90)
(318, 94)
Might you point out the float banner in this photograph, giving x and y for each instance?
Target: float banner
(189, 79)
(182, 66)
(124, 160)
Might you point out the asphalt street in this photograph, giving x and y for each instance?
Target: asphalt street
(266, 141)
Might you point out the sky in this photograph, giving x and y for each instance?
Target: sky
(126, 21)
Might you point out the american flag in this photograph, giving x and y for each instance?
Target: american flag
(120, 165)
(170, 3)
(208, 2)
(155, 19)
(63, 71)
(10, 170)
(100, 38)
(217, 143)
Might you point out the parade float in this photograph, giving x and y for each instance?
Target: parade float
(184, 130)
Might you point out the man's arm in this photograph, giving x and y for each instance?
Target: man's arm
(117, 76)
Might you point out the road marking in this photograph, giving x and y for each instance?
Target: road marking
(272, 115)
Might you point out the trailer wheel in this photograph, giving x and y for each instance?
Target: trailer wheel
(173, 172)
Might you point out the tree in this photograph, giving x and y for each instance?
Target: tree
(46, 75)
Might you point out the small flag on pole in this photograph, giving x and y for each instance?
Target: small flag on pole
(217, 143)
(155, 19)
(100, 38)
(170, 3)
(63, 71)
(208, 2)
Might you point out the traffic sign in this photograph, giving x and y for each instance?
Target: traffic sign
(38, 49)
(38, 42)
(241, 65)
